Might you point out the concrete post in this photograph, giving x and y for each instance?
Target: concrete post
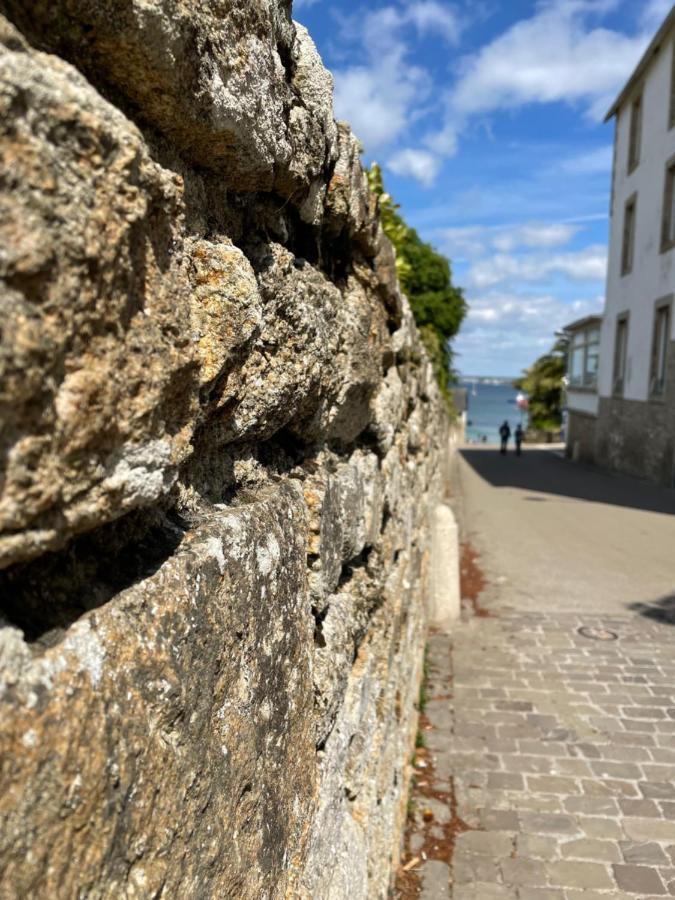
(445, 605)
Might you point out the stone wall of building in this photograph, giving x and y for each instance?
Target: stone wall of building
(638, 437)
(221, 447)
(581, 436)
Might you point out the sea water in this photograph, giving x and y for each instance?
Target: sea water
(490, 404)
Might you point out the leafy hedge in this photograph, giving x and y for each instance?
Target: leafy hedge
(426, 277)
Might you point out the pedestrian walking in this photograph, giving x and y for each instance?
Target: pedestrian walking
(518, 436)
(504, 434)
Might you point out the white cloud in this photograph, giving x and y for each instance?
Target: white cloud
(475, 241)
(536, 235)
(515, 301)
(380, 96)
(548, 58)
(429, 15)
(561, 53)
(589, 264)
(376, 100)
(557, 55)
(538, 314)
(418, 164)
(505, 331)
(595, 162)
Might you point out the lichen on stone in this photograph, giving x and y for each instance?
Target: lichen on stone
(221, 440)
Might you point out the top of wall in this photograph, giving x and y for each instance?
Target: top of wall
(644, 63)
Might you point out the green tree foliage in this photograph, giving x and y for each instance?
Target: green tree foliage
(544, 383)
(426, 278)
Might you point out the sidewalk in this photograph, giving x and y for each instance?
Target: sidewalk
(555, 755)
(549, 767)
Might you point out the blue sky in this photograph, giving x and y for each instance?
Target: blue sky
(487, 117)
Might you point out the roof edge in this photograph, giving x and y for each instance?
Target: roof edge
(651, 50)
(581, 323)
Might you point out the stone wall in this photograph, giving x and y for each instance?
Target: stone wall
(221, 445)
(638, 438)
(581, 436)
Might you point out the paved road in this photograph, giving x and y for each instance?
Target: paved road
(562, 754)
(556, 535)
(549, 768)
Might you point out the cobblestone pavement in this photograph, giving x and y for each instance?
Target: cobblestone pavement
(562, 750)
(549, 772)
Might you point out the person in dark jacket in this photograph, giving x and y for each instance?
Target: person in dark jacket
(518, 436)
(504, 434)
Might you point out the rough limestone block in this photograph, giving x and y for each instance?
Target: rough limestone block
(445, 601)
(217, 78)
(389, 407)
(96, 370)
(326, 533)
(225, 306)
(405, 340)
(291, 365)
(345, 505)
(165, 745)
(333, 658)
(233, 713)
(311, 123)
(350, 206)
(315, 362)
(361, 502)
(363, 763)
(343, 411)
(387, 278)
(334, 831)
(369, 468)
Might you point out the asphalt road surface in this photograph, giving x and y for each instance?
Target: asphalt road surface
(559, 536)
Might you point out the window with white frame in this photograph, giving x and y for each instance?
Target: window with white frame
(660, 344)
(583, 358)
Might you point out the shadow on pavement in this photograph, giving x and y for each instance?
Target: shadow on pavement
(662, 610)
(546, 472)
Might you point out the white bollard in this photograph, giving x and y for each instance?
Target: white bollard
(445, 603)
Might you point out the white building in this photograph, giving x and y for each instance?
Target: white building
(622, 410)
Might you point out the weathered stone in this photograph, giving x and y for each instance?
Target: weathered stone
(232, 86)
(389, 408)
(387, 274)
(333, 659)
(96, 399)
(191, 692)
(343, 411)
(350, 207)
(291, 365)
(361, 503)
(313, 131)
(316, 362)
(326, 536)
(361, 802)
(222, 440)
(630, 436)
(225, 306)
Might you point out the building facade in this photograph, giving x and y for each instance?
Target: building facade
(621, 396)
